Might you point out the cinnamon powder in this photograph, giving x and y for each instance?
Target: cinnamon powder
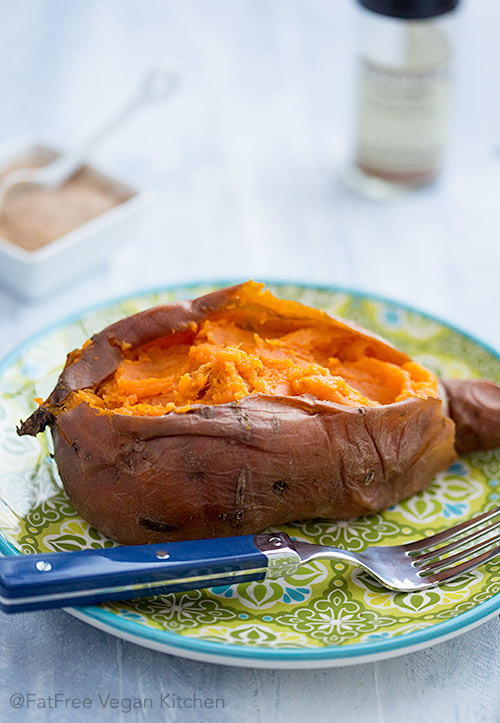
(33, 216)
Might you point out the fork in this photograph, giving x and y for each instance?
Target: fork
(31, 582)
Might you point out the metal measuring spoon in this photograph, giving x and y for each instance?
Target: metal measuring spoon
(157, 85)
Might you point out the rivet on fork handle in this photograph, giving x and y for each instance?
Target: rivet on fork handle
(283, 559)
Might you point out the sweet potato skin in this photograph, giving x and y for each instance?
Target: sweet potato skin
(233, 468)
(474, 405)
(243, 467)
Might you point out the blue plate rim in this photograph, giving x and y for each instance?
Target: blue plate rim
(138, 631)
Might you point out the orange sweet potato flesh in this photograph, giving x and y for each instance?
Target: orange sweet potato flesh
(225, 358)
(237, 411)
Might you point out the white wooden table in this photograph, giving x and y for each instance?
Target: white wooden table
(247, 160)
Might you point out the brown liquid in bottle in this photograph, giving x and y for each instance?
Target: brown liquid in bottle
(403, 107)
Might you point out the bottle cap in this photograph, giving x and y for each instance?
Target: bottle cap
(410, 9)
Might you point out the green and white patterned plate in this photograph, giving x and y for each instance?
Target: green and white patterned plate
(328, 613)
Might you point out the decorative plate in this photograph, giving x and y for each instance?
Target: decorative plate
(328, 613)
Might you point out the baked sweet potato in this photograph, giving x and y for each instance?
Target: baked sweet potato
(236, 411)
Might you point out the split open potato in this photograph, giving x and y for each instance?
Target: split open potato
(237, 411)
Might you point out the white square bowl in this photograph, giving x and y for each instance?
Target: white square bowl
(34, 274)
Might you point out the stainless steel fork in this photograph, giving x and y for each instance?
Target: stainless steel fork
(423, 563)
(92, 576)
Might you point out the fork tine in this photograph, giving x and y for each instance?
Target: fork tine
(467, 566)
(447, 561)
(450, 532)
(456, 543)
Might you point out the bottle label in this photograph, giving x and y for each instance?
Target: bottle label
(403, 117)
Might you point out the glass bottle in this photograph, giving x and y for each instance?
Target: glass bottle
(404, 94)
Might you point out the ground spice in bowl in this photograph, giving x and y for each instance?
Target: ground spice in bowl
(34, 217)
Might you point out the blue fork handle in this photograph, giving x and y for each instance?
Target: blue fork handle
(32, 582)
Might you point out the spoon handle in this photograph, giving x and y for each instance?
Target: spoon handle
(157, 85)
